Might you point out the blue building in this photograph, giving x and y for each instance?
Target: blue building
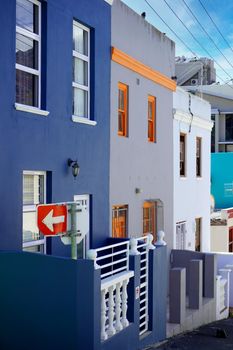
(54, 98)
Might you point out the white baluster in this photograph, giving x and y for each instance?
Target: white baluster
(150, 240)
(124, 320)
(118, 324)
(111, 330)
(160, 239)
(92, 255)
(133, 247)
(104, 335)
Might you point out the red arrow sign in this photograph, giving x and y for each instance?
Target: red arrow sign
(52, 219)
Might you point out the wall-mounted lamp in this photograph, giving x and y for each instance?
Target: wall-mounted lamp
(75, 167)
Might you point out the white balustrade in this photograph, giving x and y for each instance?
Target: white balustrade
(124, 321)
(111, 259)
(222, 293)
(104, 335)
(114, 304)
(118, 301)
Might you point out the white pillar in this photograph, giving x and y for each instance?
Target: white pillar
(133, 247)
(104, 335)
(92, 255)
(111, 330)
(124, 320)
(118, 324)
(150, 240)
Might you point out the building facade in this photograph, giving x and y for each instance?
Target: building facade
(195, 71)
(221, 99)
(192, 132)
(54, 97)
(141, 156)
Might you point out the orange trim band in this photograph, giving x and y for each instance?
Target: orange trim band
(140, 68)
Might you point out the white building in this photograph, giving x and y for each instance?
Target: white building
(191, 153)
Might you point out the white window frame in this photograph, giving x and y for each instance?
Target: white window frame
(80, 86)
(181, 233)
(86, 240)
(32, 208)
(36, 37)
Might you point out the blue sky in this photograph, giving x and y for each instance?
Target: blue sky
(220, 10)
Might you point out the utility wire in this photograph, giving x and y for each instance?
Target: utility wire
(206, 32)
(200, 44)
(204, 8)
(180, 39)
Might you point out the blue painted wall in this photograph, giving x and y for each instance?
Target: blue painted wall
(30, 142)
(48, 303)
(222, 179)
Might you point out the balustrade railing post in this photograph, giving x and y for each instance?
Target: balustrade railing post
(133, 247)
(104, 335)
(150, 240)
(118, 324)
(92, 255)
(124, 321)
(111, 330)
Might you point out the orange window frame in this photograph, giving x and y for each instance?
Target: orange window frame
(149, 219)
(120, 221)
(123, 113)
(152, 119)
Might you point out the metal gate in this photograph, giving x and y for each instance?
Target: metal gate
(143, 249)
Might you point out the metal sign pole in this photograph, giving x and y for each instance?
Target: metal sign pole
(73, 231)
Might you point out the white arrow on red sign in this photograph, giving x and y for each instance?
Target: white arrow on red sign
(51, 220)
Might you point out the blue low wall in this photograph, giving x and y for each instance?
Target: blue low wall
(48, 303)
(53, 303)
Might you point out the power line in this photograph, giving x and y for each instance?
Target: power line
(179, 38)
(204, 8)
(200, 44)
(206, 32)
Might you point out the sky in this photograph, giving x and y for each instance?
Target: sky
(221, 12)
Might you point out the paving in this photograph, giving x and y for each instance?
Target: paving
(214, 336)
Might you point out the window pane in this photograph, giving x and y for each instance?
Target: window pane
(121, 100)
(27, 15)
(120, 121)
(26, 51)
(26, 88)
(80, 71)
(80, 103)
(35, 249)
(150, 110)
(229, 127)
(30, 229)
(28, 189)
(33, 194)
(80, 40)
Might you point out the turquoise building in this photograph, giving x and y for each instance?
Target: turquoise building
(222, 179)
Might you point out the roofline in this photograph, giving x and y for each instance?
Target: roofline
(207, 92)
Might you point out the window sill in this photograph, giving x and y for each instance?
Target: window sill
(30, 109)
(183, 177)
(83, 120)
(199, 178)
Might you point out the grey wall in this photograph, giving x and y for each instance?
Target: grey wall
(135, 162)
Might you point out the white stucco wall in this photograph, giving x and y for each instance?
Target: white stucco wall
(192, 194)
(219, 239)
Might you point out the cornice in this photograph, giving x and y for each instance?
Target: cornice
(195, 120)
